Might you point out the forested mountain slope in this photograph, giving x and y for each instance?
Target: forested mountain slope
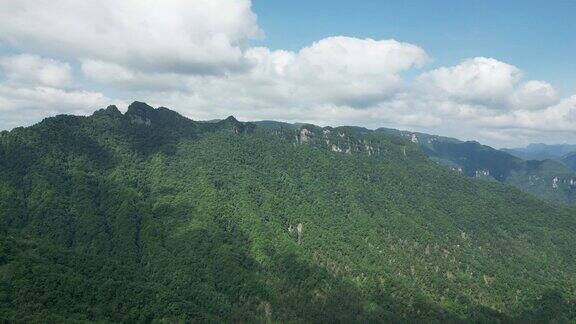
(149, 216)
(548, 179)
(551, 179)
(564, 153)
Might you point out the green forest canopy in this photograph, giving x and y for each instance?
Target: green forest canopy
(149, 216)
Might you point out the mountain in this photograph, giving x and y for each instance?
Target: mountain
(542, 151)
(271, 124)
(548, 179)
(148, 216)
(553, 180)
(570, 160)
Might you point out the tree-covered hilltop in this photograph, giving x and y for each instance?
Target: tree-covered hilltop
(149, 216)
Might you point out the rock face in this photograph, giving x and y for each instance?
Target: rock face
(555, 182)
(482, 173)
(335, 148)
(267, 310)
(304, 136)
(345, 140)
(140, 113)
(140, 121)
(457, 169)
(299, 229)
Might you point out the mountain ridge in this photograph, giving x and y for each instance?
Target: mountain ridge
(551, 180)
(541, 151)
(548, 180)
(161, 218)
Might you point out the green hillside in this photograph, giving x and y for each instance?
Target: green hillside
(150, 217)
(552, 180)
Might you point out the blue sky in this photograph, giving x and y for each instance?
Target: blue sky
(500, 72)
(537, 36)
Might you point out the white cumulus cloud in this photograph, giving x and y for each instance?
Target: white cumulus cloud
(200, 36)
(534, 95)
(35, 87)
(34, 70)
(349, 71)
(23, 106)
(195, 56)
(478, 80)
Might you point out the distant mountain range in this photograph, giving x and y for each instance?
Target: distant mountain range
(563, 153)
(543, 151)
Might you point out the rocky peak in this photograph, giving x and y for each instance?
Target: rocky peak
(111, 110)
(236, 126)
(140, 113)
(304, 135)
(231, 119)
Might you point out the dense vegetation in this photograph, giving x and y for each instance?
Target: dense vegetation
(545, 172)
(149, 216)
